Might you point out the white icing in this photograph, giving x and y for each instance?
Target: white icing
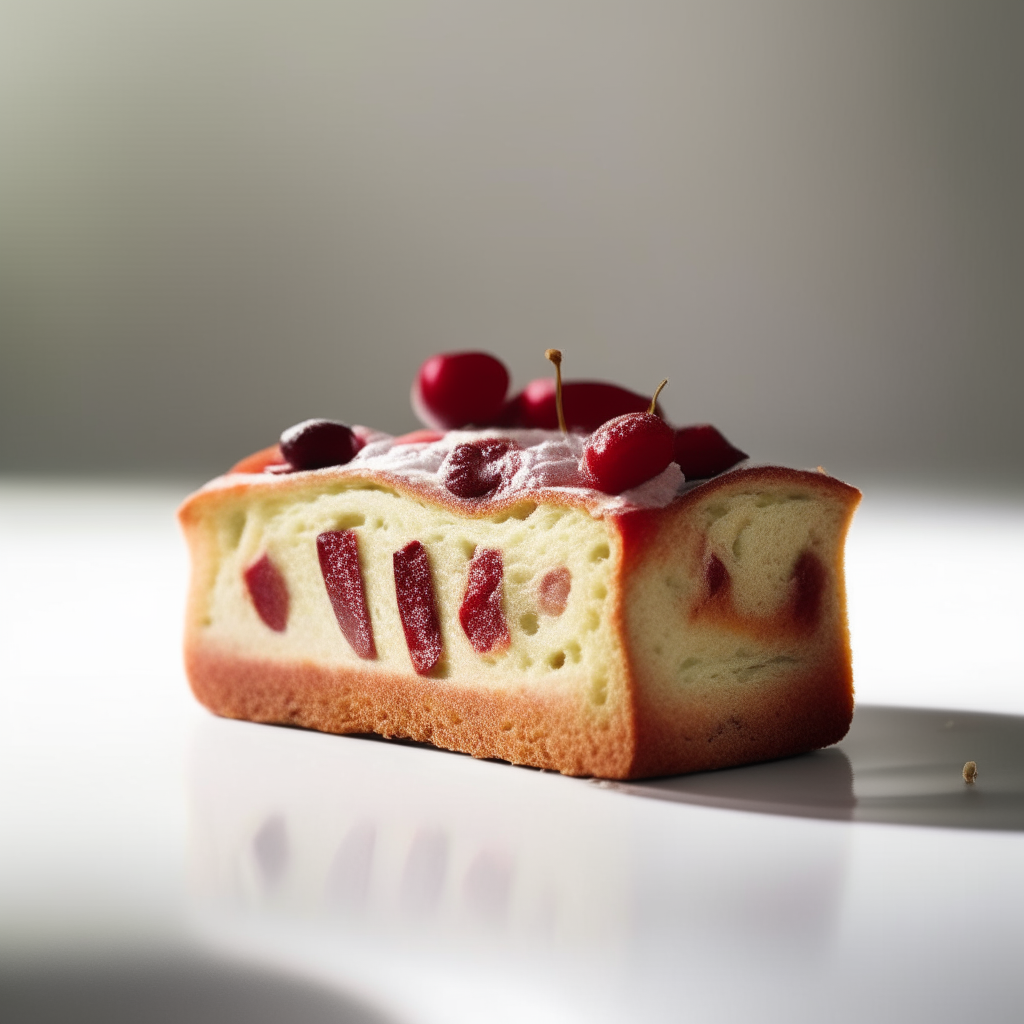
(548, 460)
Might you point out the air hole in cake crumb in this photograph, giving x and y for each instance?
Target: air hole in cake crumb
(351, 519)
(506, 726)
(598, 690)
(593, 620)
(523, 510)
(468, 548)
(600, 591)
(556, 660)
(235, 529)
(529, 623)
(716, 512)
(573, 649)
(379, 524)
(688, 663)
(599, 552)
(525, 662)
(737, 544)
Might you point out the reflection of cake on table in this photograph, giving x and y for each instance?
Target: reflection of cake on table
(469, 590)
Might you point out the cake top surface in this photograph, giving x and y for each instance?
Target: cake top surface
(520, 463)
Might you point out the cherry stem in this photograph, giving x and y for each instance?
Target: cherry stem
(556, 357)
(654, 400)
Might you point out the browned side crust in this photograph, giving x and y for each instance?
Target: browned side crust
(675, 733)
(642, 738)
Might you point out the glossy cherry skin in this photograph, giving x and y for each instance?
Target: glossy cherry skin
(626, 451)
(483, 620)
(702, 452)
(477, 469)
(314, 444)
(586, 403)
(460, 389)
(338, 553)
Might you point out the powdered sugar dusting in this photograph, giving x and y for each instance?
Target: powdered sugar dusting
(548, 460)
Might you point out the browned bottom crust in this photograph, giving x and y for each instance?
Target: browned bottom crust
(802, 714)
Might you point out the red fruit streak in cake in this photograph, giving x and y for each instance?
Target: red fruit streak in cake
(269, 593)
(414, 590)
(481, 615)
(799, 615)
(338, 553)
(553, 591)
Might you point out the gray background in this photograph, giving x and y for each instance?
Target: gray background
(218, 218)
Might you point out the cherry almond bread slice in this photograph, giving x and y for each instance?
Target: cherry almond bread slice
(698, 630)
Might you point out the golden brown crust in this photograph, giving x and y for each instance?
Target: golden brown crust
(517, 726)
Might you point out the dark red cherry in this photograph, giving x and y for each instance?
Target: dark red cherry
(476, 469)
(314, 444)
(701, 451)
(586, 403)
(457, 389)
(417, 608)
(338, 553)
(626, 451)
(269, 593)
(481, 615)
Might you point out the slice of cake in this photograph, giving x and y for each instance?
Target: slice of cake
(471, 590)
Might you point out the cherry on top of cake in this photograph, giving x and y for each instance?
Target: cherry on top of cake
(608, 439)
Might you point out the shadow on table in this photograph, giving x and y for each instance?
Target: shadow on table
(169, 988)
(897, 765)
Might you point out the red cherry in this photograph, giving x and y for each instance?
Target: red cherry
(701, 451)
(269, 593)
(478, 468)
(457, 389)
(481, 616)
(626, 451)
(338, 553)
(417, 608)
(586, 403)
(314, 444)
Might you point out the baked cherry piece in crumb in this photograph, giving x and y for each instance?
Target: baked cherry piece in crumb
(315, 444)
(586, 404)
(417, 608)
(269, 593)
(460, 389)
(702, 452)
(338, 553)
(626, 451)
(477, 469)
(482, 618)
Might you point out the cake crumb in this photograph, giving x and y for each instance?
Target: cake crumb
(970, 773)
(823, 471)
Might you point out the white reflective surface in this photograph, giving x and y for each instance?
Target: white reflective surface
(424, 886)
